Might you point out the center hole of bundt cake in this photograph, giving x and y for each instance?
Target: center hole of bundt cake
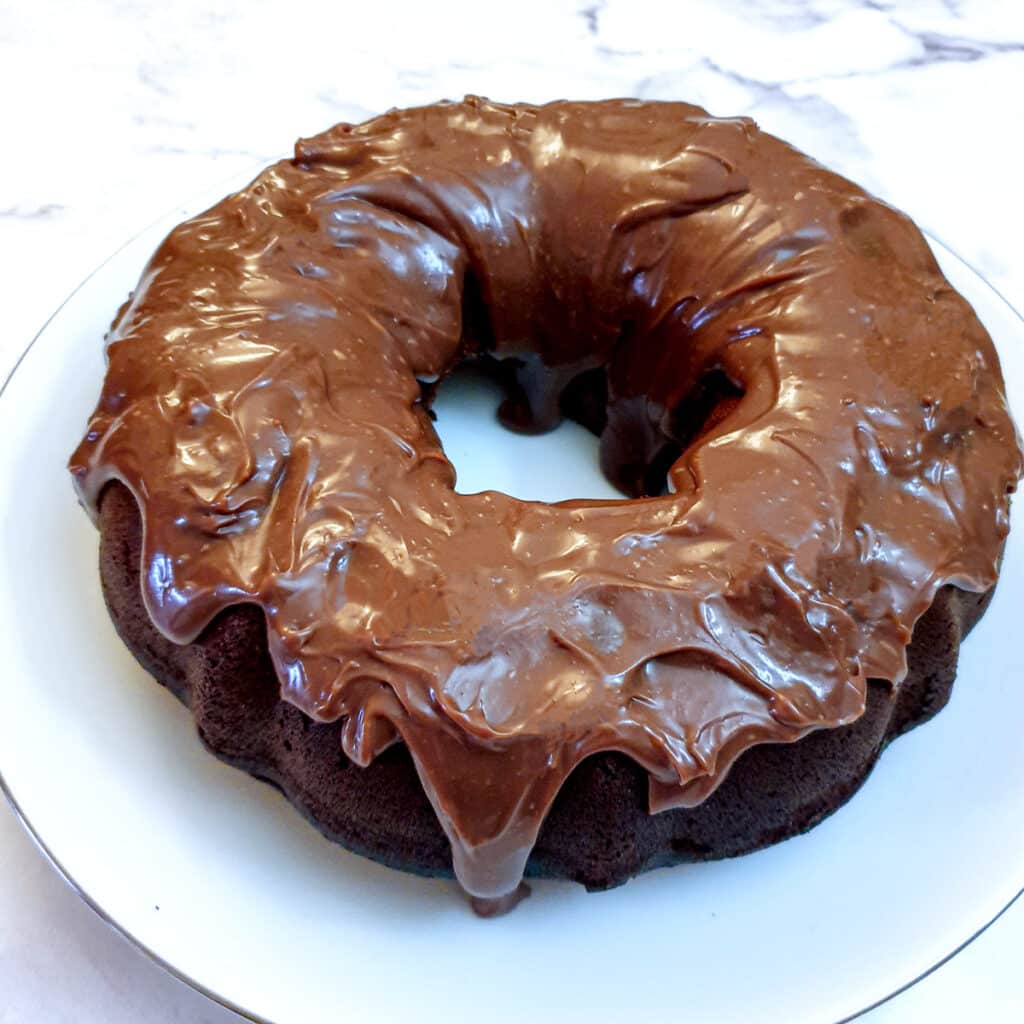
(554, 466)
(511, 423)
(568, 461)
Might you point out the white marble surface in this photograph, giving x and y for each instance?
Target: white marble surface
(114, 110)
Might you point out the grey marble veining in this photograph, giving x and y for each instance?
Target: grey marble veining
(135, 105)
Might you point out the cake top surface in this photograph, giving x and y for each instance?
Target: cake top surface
(831, 410)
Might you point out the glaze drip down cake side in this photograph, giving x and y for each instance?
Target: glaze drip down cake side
(807, 422)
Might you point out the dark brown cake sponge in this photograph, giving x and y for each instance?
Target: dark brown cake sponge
(598, 832)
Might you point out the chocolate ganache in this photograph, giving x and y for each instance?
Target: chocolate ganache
(713, 303)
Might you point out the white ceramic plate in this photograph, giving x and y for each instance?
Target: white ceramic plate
(216, 876)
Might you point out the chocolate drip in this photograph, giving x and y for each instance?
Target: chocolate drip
(500, 905)
(775, 346)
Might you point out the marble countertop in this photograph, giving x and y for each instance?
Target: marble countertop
(116, 110)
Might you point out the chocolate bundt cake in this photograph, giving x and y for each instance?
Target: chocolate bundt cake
(809, 424)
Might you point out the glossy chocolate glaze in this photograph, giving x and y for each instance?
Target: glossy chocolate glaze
(705, 297)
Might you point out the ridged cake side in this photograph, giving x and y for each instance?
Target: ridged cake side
(599, 832)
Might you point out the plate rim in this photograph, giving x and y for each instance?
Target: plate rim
(154, 957)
